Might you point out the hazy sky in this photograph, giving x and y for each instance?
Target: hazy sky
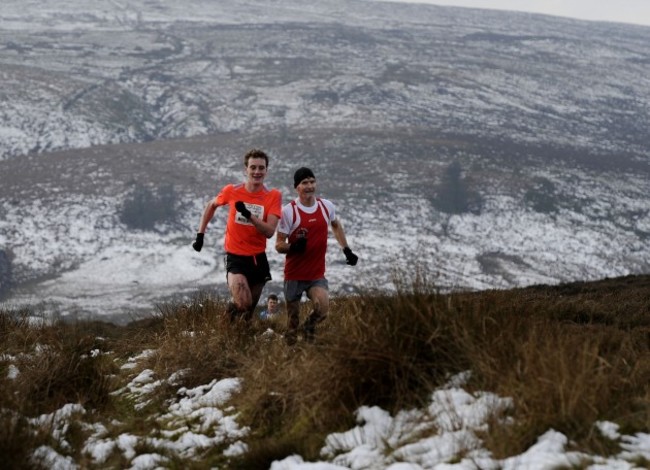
(624, 11)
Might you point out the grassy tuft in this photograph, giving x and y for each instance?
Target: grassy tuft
(568, 356)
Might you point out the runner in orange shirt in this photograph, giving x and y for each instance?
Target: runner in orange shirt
(253, 217)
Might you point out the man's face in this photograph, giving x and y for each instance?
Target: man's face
(272, 305)
(306, 187)
(256, 170)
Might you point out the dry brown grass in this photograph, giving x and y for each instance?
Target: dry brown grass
(568, 356)
(56, 366)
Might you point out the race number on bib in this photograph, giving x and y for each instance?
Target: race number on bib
(256, 210)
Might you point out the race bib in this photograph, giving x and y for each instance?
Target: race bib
(256, 210)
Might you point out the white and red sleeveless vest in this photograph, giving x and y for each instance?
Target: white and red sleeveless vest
(310, 265)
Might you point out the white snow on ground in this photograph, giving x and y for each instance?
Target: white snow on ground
(445, 435)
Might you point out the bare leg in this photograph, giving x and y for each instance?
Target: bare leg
(256, 293)
(293, 315)
(241, 294)
(320, 301)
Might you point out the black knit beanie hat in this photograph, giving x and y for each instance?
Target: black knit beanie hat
(301, 174)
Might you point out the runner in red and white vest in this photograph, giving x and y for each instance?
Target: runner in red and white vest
(302, 235)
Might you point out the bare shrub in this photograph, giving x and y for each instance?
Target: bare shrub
(453, 196)
(144, 208)
(541, 196)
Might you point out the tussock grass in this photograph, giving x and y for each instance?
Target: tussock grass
(567, 355)
(566, 359)
(56, 364)
(200, 339)
(17, 441)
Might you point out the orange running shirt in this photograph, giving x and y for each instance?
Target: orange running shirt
(242, 238)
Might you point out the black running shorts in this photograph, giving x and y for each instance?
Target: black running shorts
(255, 268)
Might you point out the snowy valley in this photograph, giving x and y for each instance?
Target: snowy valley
(487, 149)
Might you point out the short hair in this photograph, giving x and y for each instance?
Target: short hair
(272, 297)
(255, 153)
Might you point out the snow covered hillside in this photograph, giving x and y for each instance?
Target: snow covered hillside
(490, 149)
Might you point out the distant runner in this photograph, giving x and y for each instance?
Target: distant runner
(272, 309)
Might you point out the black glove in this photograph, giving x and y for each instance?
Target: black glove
(198, 243)
(241, 208)
(298, 246)
(350, 257)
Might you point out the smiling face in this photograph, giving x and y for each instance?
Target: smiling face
(256, 171)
